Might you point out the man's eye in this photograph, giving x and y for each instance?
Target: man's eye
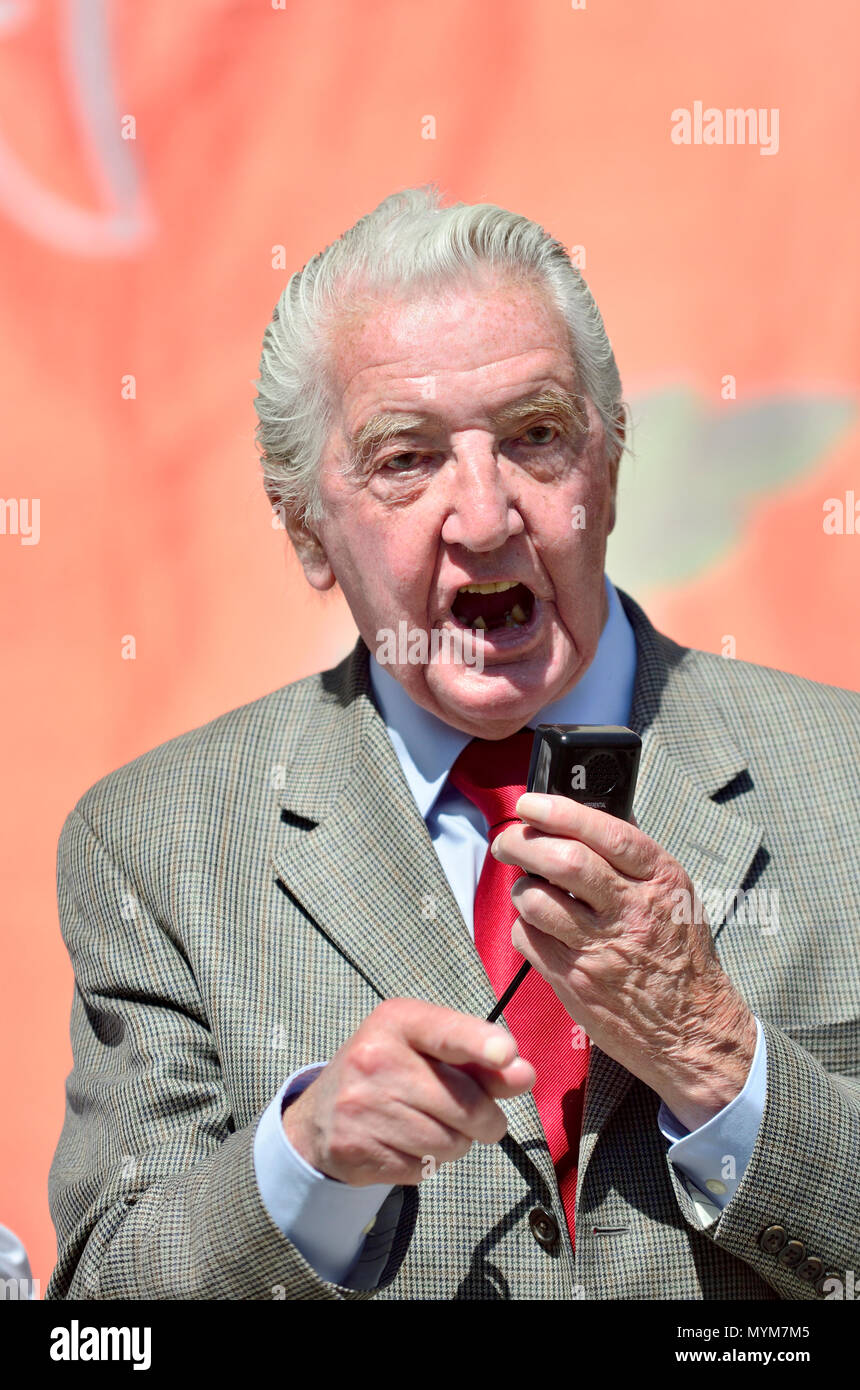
(401, 463)
(552, 431)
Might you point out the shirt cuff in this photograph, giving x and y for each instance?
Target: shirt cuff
(326, 1220)
(715, 1156)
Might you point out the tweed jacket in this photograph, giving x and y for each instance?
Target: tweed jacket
(237, 900)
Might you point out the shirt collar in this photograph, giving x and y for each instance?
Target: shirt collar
(427, 747)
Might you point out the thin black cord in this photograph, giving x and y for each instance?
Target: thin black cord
(509, 993)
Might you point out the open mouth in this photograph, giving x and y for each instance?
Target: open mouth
(489, 606)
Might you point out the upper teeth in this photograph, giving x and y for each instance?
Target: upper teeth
(495, 588)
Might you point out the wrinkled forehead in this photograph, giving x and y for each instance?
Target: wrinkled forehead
(480, 317)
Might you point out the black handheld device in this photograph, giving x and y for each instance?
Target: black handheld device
(595, 764)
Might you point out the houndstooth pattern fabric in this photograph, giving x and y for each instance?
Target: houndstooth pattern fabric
(236, 901)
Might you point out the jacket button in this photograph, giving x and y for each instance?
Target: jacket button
(811, 1269)
(792, 1254)
(544, 1227)
(773, 1239)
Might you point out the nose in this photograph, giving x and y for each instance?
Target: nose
(482, 514)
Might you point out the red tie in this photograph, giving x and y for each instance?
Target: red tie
(493, 775)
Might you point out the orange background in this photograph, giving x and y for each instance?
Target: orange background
(257, 127)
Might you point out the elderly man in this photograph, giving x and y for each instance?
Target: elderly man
(288, 927)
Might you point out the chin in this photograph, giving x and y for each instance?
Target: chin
(496, 693)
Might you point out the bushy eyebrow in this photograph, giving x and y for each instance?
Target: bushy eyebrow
(391, 424)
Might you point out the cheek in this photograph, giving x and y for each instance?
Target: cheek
(391, 568)
(399, 551)
(575, 527)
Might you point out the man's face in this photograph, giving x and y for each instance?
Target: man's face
(482, 489)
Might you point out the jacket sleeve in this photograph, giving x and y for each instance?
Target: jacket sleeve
(795, 1216)
(152, 1188)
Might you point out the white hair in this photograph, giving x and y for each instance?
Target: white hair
(409, 243)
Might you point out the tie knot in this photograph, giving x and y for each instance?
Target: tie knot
(493, 773)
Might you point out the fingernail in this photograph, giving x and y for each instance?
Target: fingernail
(496, 1050)
(534, 805)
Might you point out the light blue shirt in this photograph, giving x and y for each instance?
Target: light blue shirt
(328, 1221)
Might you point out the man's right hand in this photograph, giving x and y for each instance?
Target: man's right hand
(415, 1082)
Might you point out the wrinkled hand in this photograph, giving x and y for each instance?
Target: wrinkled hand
(647, 989)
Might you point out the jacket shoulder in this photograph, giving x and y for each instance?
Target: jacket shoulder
(750, 683)
(764, 705)
(232, 756)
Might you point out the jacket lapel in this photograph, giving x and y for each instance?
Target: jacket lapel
(357, 856)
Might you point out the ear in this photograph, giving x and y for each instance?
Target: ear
(309, 548)
(613, 479)
(614, 463)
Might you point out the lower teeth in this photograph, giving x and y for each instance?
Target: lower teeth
(515, 617)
